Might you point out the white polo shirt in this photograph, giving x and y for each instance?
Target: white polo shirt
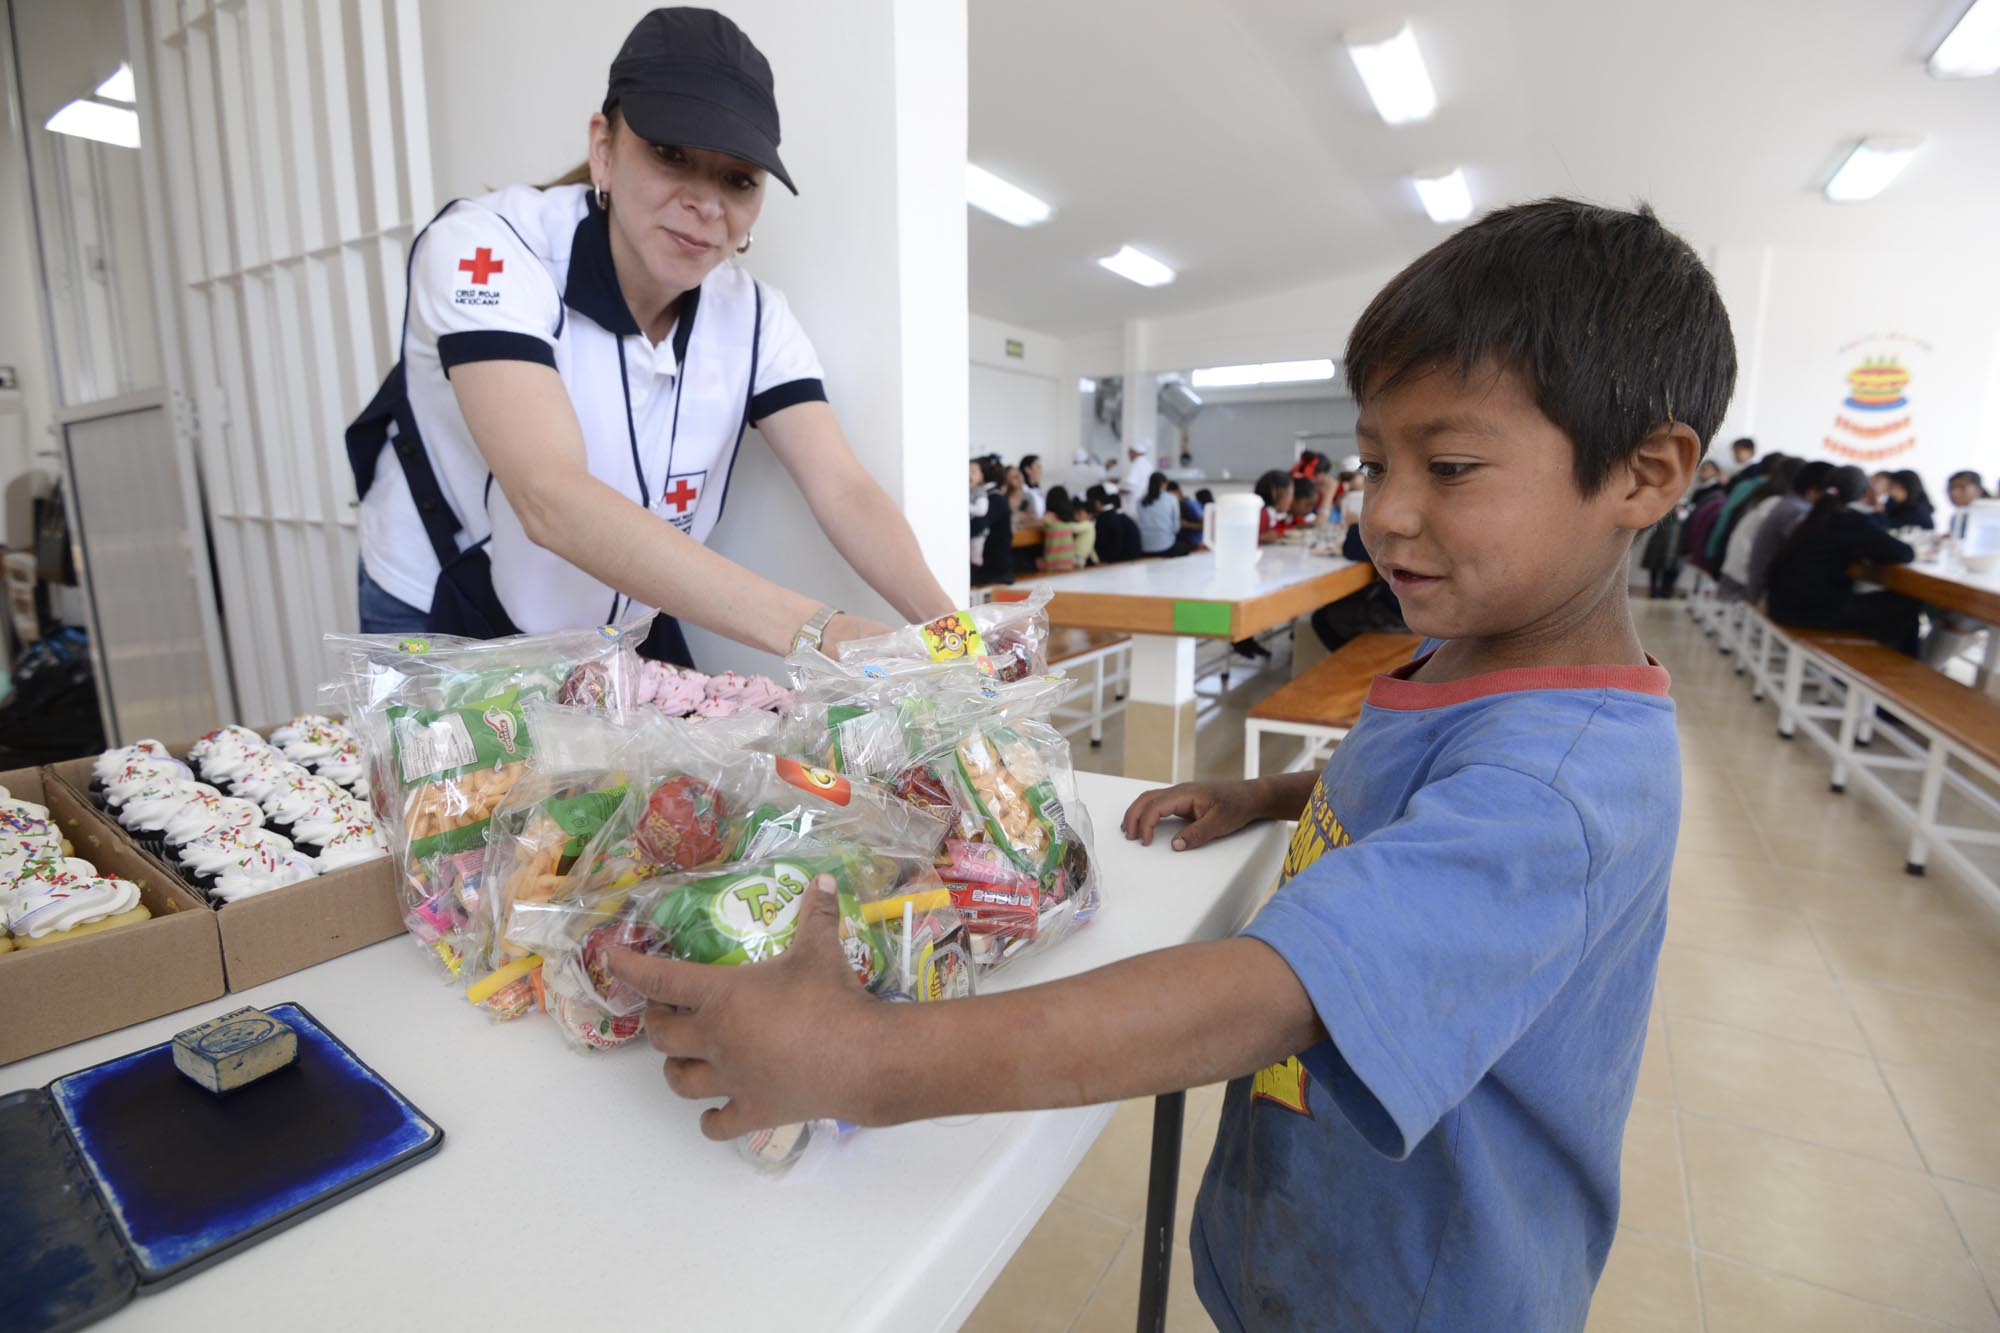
(526, 275)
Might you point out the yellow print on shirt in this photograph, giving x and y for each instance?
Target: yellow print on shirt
(1320, 830)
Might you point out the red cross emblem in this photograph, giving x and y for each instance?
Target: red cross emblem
(482, 265)
(681, 495)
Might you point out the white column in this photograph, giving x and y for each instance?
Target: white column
(1141, 415)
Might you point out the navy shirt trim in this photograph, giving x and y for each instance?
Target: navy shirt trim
(456, 349)
(781, 396)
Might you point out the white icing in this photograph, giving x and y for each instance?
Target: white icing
(297, 727)
(263, 774)
(68, 907)
(112, 760)
(209, 854)
(351, 846)
(289, 804)
(327, 821)
(260, 872)
(150, 813)
(25, 822)
(234, 733)
(142, 776)
(315, 743)
(205, 815)
(344, 765)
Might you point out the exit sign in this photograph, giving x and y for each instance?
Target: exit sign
(1016, 348)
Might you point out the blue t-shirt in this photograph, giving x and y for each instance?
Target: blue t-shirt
(1480, 939)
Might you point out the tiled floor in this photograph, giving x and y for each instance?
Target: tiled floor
(1816, 1143)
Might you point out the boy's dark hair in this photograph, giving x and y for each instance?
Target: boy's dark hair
(1205, 497)
(1743, 442)
(1100, 498)
(1059, 504)
(1811, 477)
(1613, 319)
(1973, 477)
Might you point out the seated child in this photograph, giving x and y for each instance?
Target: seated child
(1810, 586)
(1068, 540)
(1274, 488)
(1433, 1030)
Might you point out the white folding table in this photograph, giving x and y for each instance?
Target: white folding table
(576, 1189)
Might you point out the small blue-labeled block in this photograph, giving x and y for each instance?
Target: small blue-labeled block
(241, 1047)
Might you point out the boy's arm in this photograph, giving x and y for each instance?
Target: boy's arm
(1178, 1018)
(1216, 809)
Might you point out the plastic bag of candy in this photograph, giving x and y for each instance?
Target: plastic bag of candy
(897, 928)
(1008, 639)
(584, 764)
(874, 719)
(443, 723)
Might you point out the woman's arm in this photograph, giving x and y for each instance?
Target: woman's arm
(853, 510)
(522, 419)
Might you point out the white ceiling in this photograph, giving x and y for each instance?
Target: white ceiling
(1232, 139)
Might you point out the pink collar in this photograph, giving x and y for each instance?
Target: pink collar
(1398, 692)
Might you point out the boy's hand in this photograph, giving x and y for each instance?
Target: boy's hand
(1212, 810)
(785, 1040)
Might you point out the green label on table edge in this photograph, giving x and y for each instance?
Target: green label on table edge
(1201, 618)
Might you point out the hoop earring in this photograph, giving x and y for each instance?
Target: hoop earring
(604, 201)
(748, 241)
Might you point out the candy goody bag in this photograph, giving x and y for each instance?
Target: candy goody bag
(443, 723)
(1009, 640)
(897, 928)
(981, 754)
(547, 808)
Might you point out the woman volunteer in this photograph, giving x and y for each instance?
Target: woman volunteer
(579, 364)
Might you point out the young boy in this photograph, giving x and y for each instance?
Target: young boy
(1433, 1029)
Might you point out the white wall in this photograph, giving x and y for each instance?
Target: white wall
(1247, 437)
(25, 413)
(1804, 318)
(871, 255)
(1018, 402)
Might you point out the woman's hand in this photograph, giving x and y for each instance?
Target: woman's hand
(1212, 810)
(844, 628)
(784, 1041)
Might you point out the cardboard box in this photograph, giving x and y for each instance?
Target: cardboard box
(286, 930)
(55, 994)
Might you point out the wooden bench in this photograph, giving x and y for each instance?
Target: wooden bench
(1322, 705)
(1949, 735)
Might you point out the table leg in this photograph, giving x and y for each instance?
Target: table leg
(1989, 662)
(1160, 709)
(1156, 1260)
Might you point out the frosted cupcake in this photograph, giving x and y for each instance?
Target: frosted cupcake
(315, 743)
(260, 870)
(25, 826)
(345, 765)
(232, 755)
(141, 777)
(263, 775)
(222, 737)
(349, 845)
(208, 856)
(146, 817)
(312, 830)
(290, 803)
(298, 727)
(204, 816)
(57, 913)
(111, 761)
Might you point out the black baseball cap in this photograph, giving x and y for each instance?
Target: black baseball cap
(689, 77)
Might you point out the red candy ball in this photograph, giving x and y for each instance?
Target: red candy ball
(682, 825)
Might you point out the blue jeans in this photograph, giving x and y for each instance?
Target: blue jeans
(382, 612)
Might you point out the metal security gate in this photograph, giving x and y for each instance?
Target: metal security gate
(293, 167)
